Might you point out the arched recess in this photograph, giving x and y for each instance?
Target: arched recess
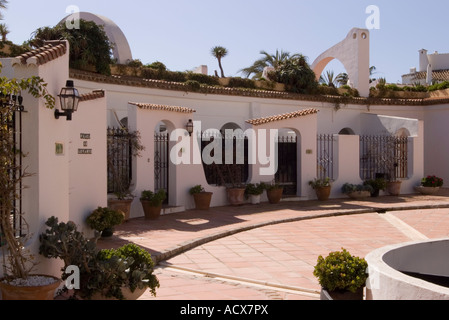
(346, 131)
(353, 53)
(234, 166)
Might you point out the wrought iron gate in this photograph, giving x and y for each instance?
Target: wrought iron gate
(119, 159)
(385, 156)
(286, 174)
(161, 162)
(325, 156)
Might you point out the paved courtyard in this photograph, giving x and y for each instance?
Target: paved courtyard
(267, 252)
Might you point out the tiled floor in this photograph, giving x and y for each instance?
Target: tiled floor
(207, 256)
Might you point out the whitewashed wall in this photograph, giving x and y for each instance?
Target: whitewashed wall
(65, 185)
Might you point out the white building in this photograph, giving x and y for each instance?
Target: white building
(70, 157)
(433, 68)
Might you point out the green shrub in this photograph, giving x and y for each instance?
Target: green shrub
(254, 188)
(203, 78)
(237, 82)
(317, 183)
(156, 198)
(348, 188)
(196, 189)
(341, 271)
(104, 218)
(140, 266)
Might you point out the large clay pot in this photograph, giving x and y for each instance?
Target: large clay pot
(236, 196)
(121, 205)
(323, 193)
(127, 294)
(275, 195)
(39, 292)
(427, 190)
(359, 194)
(341, 295)
(151, 212)
(202, 200)
(394, 187)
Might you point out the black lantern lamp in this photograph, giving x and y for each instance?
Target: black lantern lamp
(69, 98)
(189, 127)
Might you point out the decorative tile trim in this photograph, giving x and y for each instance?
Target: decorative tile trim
(290, 115)
(151, 106)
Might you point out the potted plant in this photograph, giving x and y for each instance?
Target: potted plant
(235, 189)
(274, 192)
(377, 185)
(394, 187)
(430, 185)
(341, 275)
(254, 191)
(18, 262)
(201, 197)
(119, 142)
(322, 188)
(103, 220)
(140, 275)
(103, 274)
(152, 203)
(357, 191)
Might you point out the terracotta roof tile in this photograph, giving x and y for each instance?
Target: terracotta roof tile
(96, 94)
(438, 75)
(295, 114)
(50, 51)
(151, 106)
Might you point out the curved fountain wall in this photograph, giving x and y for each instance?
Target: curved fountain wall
(386, 267)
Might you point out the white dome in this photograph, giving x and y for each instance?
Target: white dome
(121, 50)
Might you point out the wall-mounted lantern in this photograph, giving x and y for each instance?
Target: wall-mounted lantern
(189, 127)
(69, 98)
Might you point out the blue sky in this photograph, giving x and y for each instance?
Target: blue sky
(181, 33)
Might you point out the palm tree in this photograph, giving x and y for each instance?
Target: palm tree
(333, 81)
(3, 4)
(269, 60)
(219, 52)
(3, 31)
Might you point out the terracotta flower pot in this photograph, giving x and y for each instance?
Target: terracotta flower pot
(275, 195)
(236, 196)
(151, 212)
(323, 193)
(394, 187)
(38, 292)
(202, 200)
(121, 205)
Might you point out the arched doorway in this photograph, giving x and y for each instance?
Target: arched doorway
(288, 161)
(162, 158)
